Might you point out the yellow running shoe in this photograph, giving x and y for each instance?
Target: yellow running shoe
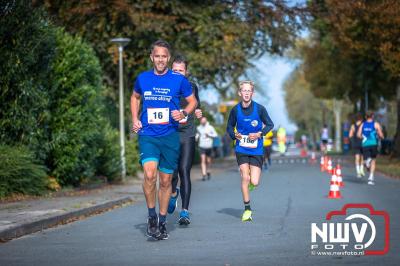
(251, 186)
(362, 171)
(246, 217)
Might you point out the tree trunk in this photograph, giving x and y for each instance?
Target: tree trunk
(312, 137)
(396, 145)
(337, 109)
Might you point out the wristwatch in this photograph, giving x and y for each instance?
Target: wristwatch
(184, 113)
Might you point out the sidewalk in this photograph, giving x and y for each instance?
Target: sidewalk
(28, 216)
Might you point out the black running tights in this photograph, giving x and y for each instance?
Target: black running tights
(183, 171)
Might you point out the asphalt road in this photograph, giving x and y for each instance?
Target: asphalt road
(290, 198)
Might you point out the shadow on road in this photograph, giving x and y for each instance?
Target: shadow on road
(354, 179)
(171, 225)
(143, 227)
(232, 212)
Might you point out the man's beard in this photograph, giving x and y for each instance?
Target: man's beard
(161, 68)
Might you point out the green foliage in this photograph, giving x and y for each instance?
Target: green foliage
(107, 157)
(132, 157)
(79, 137)
(20, 173)
(341, 60)
(334, 74)
(52, 98)
(26, 49)
(218, 37)
(305, 109)
(369, 32)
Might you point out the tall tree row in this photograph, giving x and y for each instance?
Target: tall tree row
(353, 52)
(51, 112)
(219, 38)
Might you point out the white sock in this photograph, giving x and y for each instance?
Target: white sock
(358, 168)
(361, 167)
(371, 177)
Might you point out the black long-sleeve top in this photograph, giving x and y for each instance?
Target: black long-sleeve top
(189, 129)
(262, 112)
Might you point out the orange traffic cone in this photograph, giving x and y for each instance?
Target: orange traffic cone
(322, 163)
(339, 176)
(334, 179)
(313, 158)
(329, 168)
(334, 192)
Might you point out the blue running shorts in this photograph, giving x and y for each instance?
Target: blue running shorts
(164, 150)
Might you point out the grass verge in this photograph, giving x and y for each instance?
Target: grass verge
(389, 166)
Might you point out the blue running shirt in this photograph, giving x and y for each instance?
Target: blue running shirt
(246, 125)
(160, 94)
(369, 134)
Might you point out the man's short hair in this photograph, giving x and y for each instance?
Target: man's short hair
(241, 83)
(369, 114)
(161, 43)
(181, 59)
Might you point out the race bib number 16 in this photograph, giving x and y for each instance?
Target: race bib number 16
(247, 143)
(158, 116)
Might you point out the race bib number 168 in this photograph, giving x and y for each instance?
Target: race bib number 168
(247, 143)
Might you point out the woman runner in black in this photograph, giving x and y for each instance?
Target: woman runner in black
(187, 132)
(356, 145)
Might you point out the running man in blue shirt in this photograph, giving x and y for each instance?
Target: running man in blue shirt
(370, 131)
(252, 122)
(160, 91)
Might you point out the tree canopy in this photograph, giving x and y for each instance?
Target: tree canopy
(342, 58)
(354, 52)
(218, 37)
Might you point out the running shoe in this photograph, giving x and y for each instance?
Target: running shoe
(152, 228)
(173, 202)
(251, 186)
(359, 175)
(362, 173)
(163, 231)
(184, 218)
(371, 182)
(208, 176)
(246, 217)
(204, 178)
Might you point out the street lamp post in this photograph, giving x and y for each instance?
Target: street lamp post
(121, 42)
(366, 99)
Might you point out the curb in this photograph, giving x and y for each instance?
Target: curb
(32, 227)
